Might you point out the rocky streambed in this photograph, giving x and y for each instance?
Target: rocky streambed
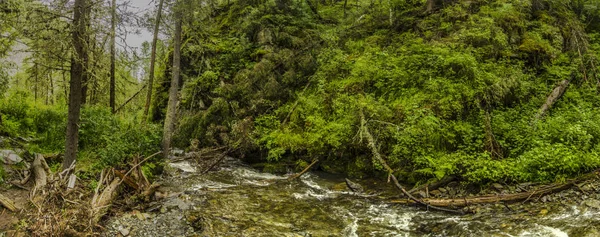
(238, 200)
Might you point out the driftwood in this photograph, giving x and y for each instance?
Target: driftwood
(377, 156)
(8, 203)
(295, 176)
(552, 98)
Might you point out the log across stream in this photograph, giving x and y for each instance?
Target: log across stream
(237, 200)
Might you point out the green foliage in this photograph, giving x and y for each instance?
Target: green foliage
(288, 83)
(2, 174)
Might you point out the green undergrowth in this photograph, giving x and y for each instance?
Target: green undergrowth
(105, 140)
(450, 91)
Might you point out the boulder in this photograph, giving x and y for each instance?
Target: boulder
(593, 203)
(10, 157)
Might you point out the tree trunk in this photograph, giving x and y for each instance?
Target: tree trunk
(552, 98)
(77, 63)
(169, 125)
(112, 55)
(153, 60)
(85, 57)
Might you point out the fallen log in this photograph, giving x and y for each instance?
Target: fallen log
(504, 198)
(489, 199)
(304, 170)
(377, 156)
(8, 203)
(552, 98)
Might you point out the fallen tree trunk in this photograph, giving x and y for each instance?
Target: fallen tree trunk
(552, 98)
(380, 160)
(506, 198)
(8, 203)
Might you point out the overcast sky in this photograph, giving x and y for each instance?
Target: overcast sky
(140, 7)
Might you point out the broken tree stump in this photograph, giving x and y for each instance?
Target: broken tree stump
(101, 202)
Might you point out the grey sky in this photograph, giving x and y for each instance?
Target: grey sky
(140, 7)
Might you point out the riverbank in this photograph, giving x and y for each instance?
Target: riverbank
(238, 200)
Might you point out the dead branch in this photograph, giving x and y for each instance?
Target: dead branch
(128, 180)
(380, 160)
(8, 203)
(219, 160)
(138, 164)
(295, 176)
(104, 200)
(130, 98)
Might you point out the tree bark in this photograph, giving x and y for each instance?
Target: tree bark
(169, 125)
(113, 22)
(85, 57)
(552, 98)
(77, 67)
(153, 60)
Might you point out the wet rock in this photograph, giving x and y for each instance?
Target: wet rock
(10, 157)
(123, 231)
(498, 186)
(443, 190)
(339, 187)
(593, 203)
(435, 193)
(355, 187)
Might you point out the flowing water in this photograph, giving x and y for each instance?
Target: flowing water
(238, 200)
